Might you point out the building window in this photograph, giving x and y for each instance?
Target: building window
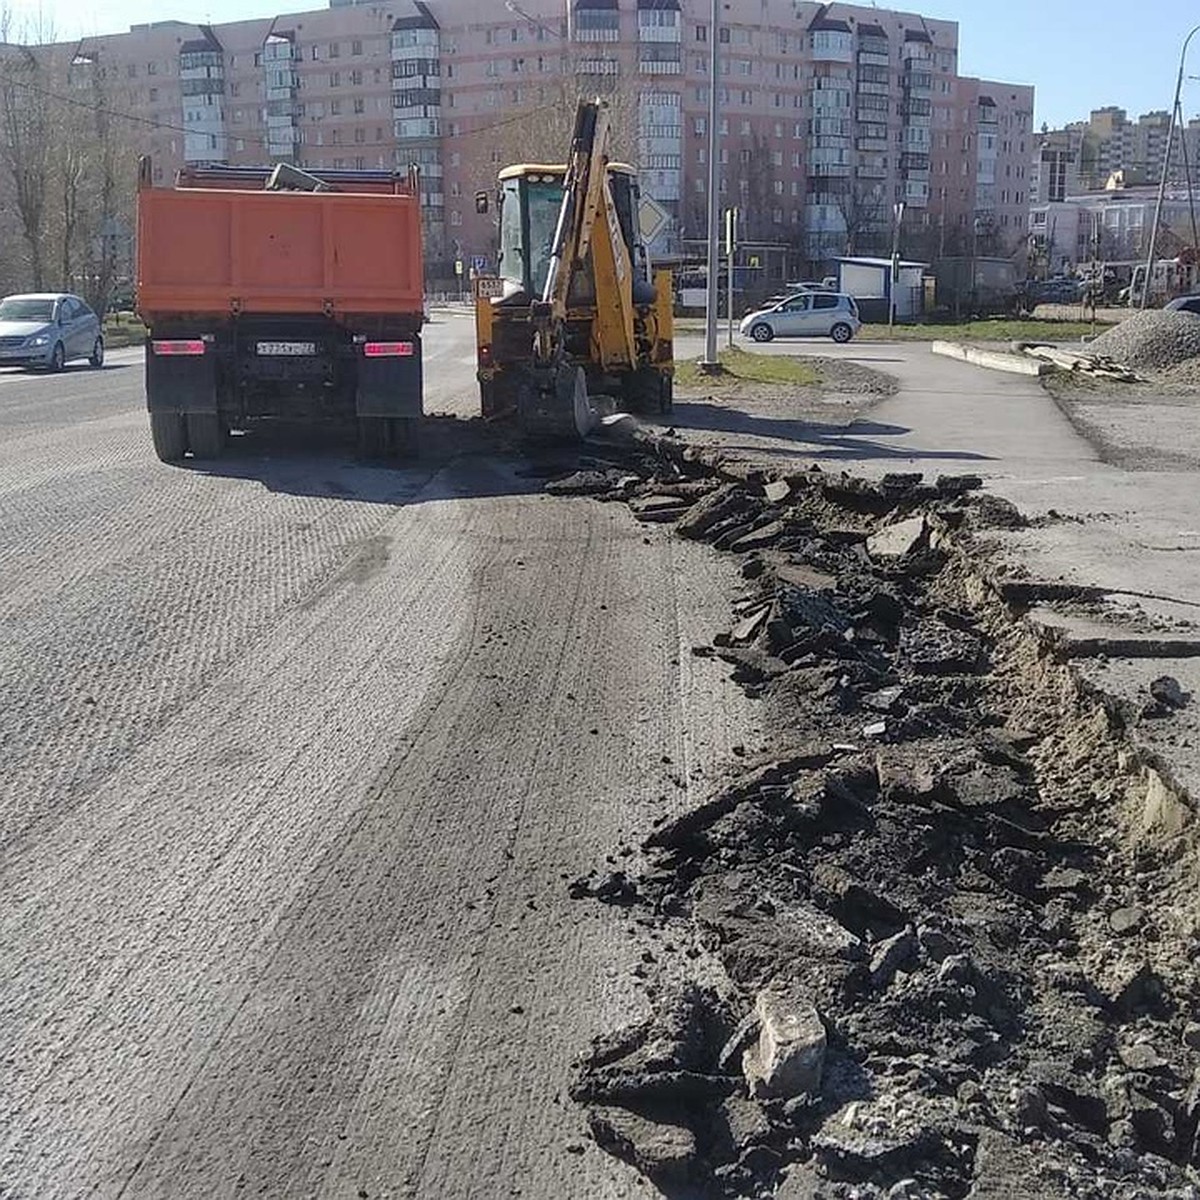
(356, 47)
(455, 218)
(335, 50)
(335, 79)
(702, 33)
(359, 104)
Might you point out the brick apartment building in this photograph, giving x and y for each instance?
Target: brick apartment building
(830, 114)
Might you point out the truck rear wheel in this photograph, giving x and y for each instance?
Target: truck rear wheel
(204, 435)
(406, 437)
(169, 434)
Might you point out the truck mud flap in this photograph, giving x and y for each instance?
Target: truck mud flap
(389, 384)
(181, 383)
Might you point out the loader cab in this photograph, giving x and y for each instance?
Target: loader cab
(530, 200)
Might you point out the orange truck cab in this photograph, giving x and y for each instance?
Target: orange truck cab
(267, 303)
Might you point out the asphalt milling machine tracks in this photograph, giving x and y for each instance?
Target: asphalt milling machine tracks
(936, 939)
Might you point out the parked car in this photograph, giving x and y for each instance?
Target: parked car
(1053, 291)
(48, 330)
(807, 314)
(1190, 304)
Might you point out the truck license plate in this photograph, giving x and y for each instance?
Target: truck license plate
(488, 287)
(287, 348)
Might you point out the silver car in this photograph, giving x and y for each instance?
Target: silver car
(805, 314)
(48, 330)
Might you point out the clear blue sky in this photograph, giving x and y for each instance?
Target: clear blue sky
(1079, 54)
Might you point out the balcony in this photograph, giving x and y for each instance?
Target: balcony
(865, 172)
(597, 66)
(874, 58)
(871, 145)
(914, 162)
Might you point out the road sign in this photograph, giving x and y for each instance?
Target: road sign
(479, 262)
(652, 218)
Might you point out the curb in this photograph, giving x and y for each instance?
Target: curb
(995, 360)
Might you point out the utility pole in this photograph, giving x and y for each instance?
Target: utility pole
(898, 213)
(731, 220)
(711, 364)
(1162, 181)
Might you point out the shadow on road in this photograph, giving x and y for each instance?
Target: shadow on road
(858, 440)
(459, 459)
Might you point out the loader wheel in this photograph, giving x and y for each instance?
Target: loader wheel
(666, 393)
(169, 434)
(204, 435)
(642, 390)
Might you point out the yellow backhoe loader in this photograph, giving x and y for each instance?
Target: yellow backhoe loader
(572, 313)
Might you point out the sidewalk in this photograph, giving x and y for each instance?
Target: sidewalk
(1117, 510)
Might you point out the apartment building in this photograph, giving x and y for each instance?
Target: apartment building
(1109, 143)
(830, 115)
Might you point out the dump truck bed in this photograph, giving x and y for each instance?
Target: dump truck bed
(227, 251)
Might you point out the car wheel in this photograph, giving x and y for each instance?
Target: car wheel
(762, 332)
(841, 332)
(58, 358)
(97, 356)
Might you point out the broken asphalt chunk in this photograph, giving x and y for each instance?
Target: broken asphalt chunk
(899, 539)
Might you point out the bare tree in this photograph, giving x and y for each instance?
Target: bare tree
(25, 142)
(66, 166)
(864, 217)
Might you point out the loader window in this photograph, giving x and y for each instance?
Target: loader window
(512, 243)
(545, 202)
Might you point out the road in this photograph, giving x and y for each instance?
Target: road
(298, 756)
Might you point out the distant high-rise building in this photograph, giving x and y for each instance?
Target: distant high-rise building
(831, 115)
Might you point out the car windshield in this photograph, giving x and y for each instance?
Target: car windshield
(25, 308)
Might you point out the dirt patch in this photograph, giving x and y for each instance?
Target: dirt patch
(845, 390)
(936, 942)
(1115, 418)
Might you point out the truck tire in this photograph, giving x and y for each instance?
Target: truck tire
(204, 435)
(374, 438)
(406, 437)
(169, 434)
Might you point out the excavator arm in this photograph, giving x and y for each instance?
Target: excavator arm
(588, 237)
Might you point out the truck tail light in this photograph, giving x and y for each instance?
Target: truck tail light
(169, 346)
(388, 349)
(485, 355)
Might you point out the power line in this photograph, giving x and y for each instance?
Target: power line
(153, 123)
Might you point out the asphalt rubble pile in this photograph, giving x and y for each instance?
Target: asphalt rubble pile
(908, 954)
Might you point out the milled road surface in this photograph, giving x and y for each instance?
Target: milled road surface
(296, 757)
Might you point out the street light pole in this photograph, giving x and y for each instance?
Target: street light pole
(711, 363)
(1162, 182)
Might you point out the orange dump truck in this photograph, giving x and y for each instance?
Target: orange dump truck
(266, 301)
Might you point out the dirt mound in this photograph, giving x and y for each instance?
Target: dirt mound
(939, 974)
(1152, 340)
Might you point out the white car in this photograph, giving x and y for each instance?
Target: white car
(810, 314)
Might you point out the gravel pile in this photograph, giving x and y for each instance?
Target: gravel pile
(1186, 373)
(1152, 340)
